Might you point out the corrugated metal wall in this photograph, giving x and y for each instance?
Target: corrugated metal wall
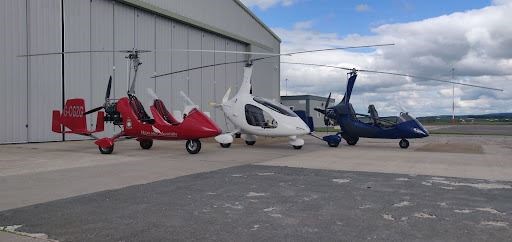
(32, 87)
(13, 71)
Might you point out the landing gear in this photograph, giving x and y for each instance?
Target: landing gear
(107, 150)
(351, 140)
(333, 144)
(297, 147)
(193, 146)
(146, 144)
(225, 145)
(404, 144)
(252, 142)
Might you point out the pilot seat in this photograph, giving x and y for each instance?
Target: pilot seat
(374, 115)
(164, 113)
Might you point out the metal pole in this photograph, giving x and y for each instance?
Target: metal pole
(286, 86)
(453, 96)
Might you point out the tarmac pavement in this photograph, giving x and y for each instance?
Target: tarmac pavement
(48, 187)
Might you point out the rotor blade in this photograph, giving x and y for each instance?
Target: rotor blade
(260, 58)
(195, 68)
(94, 110)
(431, 79)
(222, 51)
(395, 74)
(339, 48)
(84, 51)
(327, 49)
(109, 87)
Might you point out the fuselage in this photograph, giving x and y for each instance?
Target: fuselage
(409, 128)
(195, 126)
(258, 116)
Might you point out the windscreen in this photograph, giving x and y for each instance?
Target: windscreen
(275, 106)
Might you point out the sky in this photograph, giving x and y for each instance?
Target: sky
(431, 37)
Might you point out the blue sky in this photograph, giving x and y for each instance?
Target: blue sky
(431, 37)
(358, 17)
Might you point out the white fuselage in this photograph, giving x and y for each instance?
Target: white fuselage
(275, 124)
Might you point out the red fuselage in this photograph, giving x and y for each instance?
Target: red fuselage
(195, 125)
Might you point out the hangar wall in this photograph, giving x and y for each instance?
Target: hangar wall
(32, 87)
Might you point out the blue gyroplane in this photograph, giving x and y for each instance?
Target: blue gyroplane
(354, 125)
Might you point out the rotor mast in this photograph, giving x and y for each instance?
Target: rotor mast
(133, 62)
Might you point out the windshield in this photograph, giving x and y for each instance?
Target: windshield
(406, 117)
(275, 106)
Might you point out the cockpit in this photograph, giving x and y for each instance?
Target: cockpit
(255, 116)
(374, 119)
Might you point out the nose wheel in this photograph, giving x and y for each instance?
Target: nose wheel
(404, 144)
(106, 150)
(193, 146)
(146, 144)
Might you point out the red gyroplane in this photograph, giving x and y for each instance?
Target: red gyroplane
(128, 113)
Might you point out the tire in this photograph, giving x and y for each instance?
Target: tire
(404, 144)
(351, 140)
(146, 144)
(250, 142)
(225, 145)
(334, 145)
(106, 151)
(193, 146)
(297, 147)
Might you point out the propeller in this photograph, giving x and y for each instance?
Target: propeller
(107, 97)
(326, 119)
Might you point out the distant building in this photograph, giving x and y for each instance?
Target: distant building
(308, 103)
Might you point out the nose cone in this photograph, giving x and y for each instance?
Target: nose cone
(303, 128)
(212, 129)
(420, 132)
(202, 125)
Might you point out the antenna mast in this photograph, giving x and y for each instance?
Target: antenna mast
(453, 96)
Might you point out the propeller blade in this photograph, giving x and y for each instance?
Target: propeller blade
(109, 87)
(394, 74)
(326, 119)
(328, 100)
(94, 110)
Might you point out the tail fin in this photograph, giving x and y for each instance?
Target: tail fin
(226, 96)
(73, 115)
(73, 118)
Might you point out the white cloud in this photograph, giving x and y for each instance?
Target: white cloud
(303, 24)
(265, 4)
(477, 43)
(362, 8)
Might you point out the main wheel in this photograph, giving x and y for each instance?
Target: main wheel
(146, 144)
(297, 147)
(225, 145)
(351, 140)
(250, 142)
(106, 151)
(193, 146)
(333, 144)
(404, 144)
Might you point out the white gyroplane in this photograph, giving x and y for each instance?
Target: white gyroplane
(256, 116)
